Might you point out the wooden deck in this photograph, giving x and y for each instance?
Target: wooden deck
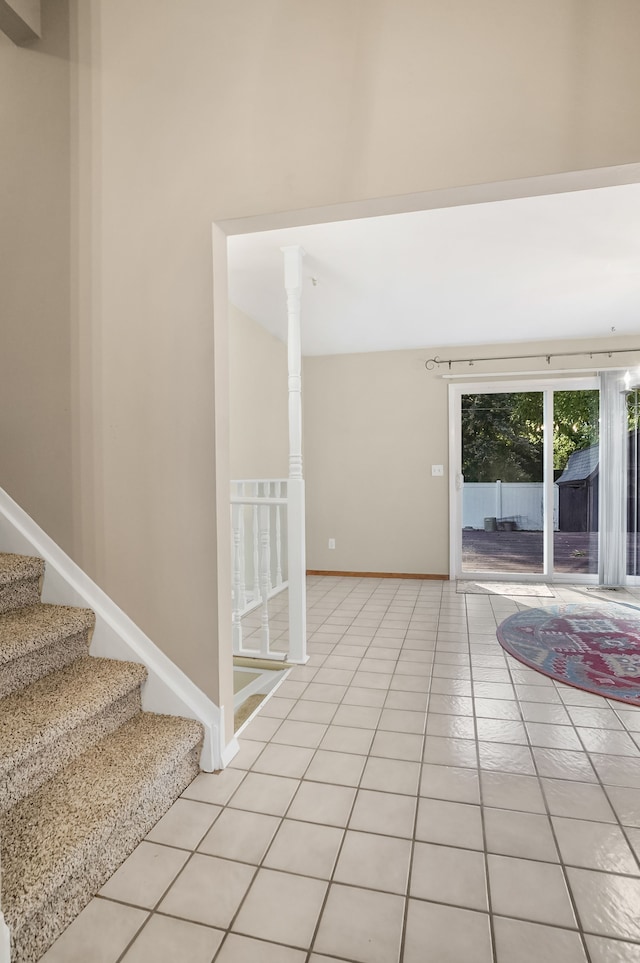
(575, 553)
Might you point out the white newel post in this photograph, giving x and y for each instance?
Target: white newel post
(297, 562)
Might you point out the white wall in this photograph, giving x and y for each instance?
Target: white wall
(36, 458)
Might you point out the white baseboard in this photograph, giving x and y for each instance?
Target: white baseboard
(229, 752)
(167, 689)
(5, 941)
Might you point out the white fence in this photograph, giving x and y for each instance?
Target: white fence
(520, 502)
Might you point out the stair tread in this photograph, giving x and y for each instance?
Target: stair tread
(52, 833)
(37, 716)
(34, 627)
(15, 568)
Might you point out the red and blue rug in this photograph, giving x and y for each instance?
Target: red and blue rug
(593, 646)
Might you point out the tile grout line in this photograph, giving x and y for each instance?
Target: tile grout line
(403, 936)
(491, 921)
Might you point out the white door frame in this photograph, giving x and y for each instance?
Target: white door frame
(545, 385)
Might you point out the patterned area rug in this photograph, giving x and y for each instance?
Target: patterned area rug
(527, 589)
(594, 646)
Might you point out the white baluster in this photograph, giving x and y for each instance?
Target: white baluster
(265, 566)
(260, 498)
(267, 494)
(236, 635)
(278, 537)
(256, 547)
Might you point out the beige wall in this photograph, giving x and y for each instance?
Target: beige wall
(35, 366)
(374, 426)
(345, 99)
(258, 418)
(188, 113)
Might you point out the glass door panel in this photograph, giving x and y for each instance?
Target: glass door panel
(503, 482)
(576, 470)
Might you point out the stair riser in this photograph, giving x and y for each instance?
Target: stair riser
(33, 772)
(16, 595)
(33, 936)
(22, 672)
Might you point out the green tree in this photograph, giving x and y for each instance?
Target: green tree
(575, 423)
(503, 435)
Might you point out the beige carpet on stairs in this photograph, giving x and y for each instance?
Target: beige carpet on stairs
(84, 773)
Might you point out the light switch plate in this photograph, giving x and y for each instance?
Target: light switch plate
(437, 469)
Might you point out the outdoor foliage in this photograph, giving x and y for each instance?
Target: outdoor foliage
(502, 437)
(633, 410)
(502, 434)
(575, 423)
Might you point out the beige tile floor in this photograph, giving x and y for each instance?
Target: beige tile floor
(412, 794)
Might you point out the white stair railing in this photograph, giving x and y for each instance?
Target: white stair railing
(258, 507)
(266, 497)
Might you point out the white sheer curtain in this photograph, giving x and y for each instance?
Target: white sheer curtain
(613, 479)
(632, 469)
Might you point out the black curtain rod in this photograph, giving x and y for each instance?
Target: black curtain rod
(431, 363)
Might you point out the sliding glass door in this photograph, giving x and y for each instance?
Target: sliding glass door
(525, 480)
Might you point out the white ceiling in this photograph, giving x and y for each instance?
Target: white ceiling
(562, 265)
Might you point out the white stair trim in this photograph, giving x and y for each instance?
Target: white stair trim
(5, 941)
(167, 690)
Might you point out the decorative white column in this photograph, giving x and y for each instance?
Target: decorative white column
(297, 561)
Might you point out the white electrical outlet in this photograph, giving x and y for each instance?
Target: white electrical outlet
(437, 469)
(332, 543)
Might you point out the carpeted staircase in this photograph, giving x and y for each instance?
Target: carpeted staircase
(84, 773)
